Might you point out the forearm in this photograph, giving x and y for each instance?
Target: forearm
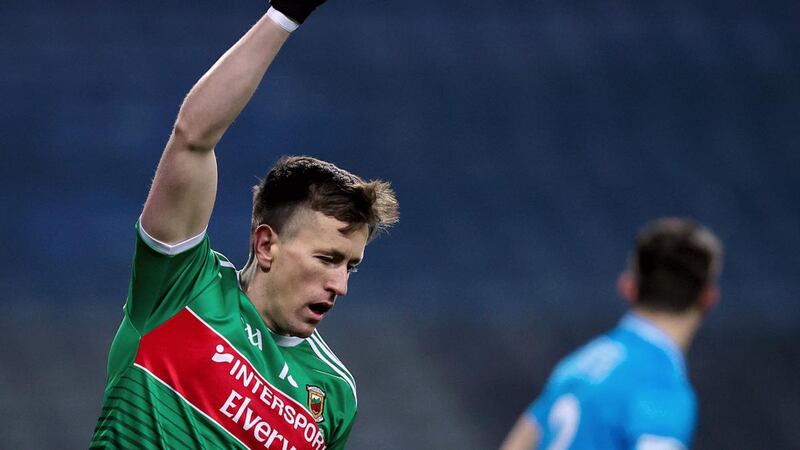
(222, 92)
(524, 435)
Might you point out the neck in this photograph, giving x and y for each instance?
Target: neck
(681, 327)
(246, 276)
(253, 287)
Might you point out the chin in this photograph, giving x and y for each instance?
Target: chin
(303, 332)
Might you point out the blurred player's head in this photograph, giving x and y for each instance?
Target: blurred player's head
(674, 267)
(311, 221)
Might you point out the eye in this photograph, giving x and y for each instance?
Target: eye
(325, 259)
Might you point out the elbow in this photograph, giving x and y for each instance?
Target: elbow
(192, 136)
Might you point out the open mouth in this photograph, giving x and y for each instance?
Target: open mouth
(320, 308)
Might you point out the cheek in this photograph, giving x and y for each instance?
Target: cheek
(307, 271)
(304, 279)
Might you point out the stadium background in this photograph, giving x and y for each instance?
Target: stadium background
(527, 140)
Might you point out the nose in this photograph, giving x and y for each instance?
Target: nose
(337, 282)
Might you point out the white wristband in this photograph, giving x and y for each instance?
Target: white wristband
(283, 21)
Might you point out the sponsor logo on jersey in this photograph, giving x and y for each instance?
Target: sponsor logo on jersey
(316, 402)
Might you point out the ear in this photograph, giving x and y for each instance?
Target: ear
(626, 286)
(265, 241)
(709, 297)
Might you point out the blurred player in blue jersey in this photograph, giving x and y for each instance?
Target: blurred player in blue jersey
(628, 388)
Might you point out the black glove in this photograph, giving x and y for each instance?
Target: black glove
(297, 10)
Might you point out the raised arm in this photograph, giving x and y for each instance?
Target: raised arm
(181, 198)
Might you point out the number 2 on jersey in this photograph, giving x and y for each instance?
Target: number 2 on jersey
(563, 420)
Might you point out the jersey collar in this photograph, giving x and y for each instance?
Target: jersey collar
(285, 341)
(648, 331)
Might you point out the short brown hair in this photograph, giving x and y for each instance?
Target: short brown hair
(297, 181)
(674, 260)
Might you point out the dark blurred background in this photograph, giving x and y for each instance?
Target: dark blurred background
(528, 142)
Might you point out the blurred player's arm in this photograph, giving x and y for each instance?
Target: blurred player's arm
(182, 195)
(524, 435)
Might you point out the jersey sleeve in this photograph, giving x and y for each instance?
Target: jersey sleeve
(345, 414)
(339, 441)
(164, 278)
(662, 419)
(539, 409)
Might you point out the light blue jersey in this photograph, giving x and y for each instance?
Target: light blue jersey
(626, 389)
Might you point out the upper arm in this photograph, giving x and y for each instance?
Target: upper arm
(182, 195)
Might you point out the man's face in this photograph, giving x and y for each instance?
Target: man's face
(309, 269)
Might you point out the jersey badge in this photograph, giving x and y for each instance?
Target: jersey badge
(316, 402)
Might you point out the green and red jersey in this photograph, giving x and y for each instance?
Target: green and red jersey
(194, 366)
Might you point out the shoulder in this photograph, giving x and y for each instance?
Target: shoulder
(226, 267)
(658, 400)
(197, 244)
(166, 249)
(594, 362)
(585, 373)
(657, 389)
(667, 409)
